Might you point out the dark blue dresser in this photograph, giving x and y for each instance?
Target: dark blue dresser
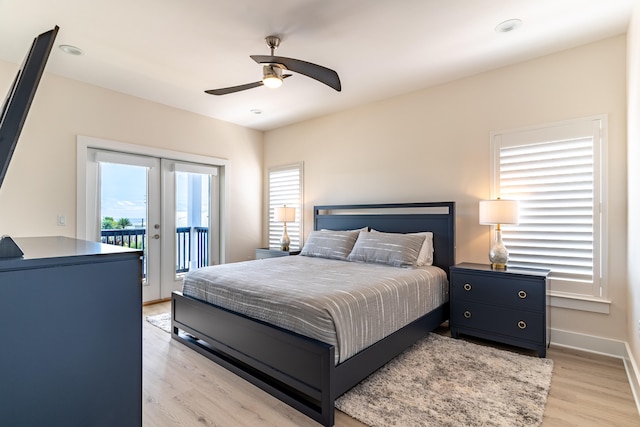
(70, 335)
(507, 306)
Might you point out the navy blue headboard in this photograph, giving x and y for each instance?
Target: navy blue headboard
(437, 217)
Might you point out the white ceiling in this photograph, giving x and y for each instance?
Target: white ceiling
(170, 51)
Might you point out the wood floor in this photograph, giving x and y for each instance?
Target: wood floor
(183, 388)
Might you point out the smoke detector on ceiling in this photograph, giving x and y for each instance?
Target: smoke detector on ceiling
(508, 26)
(71, 50)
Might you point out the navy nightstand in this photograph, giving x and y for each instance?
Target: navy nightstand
(508, 306)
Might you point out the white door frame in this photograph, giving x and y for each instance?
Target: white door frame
(84, 227)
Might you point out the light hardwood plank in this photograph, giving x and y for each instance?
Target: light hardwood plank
(183, 388)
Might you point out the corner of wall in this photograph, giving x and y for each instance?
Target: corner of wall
(633, 374)
(632, 356)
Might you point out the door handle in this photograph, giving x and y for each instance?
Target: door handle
(156, 236)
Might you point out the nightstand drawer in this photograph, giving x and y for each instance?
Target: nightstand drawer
(523, 294)
(518, 324)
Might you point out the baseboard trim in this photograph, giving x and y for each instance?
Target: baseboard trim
(157, 301)
(602, 346)
(633, 373)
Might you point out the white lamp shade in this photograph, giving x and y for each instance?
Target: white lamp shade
(498, 212)
(284, 214)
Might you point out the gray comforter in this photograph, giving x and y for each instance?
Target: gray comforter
(347, 304)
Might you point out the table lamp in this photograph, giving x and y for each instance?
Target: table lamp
(496, 212)
(284, 214)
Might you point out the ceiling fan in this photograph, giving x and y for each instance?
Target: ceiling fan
(273, 66)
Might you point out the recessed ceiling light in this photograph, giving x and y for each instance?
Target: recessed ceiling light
(256, 111)
(508, 25)
(71, 50)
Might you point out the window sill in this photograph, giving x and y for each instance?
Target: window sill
(573, 302)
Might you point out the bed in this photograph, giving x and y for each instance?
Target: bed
(309, 373)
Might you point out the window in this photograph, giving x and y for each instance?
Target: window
(285, 188)
(556, 173)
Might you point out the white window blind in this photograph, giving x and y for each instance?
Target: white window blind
(285, 188)
(554, 172)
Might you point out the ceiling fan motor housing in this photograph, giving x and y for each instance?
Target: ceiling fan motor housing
(273, 42)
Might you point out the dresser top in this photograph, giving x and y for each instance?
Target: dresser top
(510, 270)
(45, 251)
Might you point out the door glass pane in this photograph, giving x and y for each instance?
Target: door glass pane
(193, 192)
(123, 207)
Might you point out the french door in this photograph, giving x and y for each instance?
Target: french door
(166, 208)
(190, 206)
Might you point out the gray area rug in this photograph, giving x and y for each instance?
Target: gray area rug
(162, 321)
(441, 381)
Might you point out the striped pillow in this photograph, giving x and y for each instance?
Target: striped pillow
(329, 244)
(425, 256)
(395, 249)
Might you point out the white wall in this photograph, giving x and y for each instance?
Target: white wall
(633, 215)
(433, 145)
(41, 180)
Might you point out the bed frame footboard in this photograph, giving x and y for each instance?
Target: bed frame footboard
(295, 369)
(298, 370)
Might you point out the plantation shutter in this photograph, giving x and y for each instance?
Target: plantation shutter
(285, 188)
(553, 173)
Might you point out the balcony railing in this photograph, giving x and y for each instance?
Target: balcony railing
(185, 247)
(129, 237)
(188, 252)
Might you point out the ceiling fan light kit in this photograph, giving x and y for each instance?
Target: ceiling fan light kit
(272, 71)
(272, 76)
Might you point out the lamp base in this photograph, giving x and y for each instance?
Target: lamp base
(285, 241)
(498, 255)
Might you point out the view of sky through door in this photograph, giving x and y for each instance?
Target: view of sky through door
(123, 194)
(123, 206)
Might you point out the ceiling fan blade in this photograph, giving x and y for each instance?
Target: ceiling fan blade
(233, 89)
(318, 72)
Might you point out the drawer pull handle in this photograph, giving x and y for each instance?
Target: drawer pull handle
(522, 294)
(467, 314)
(522, 324)
(467, 287)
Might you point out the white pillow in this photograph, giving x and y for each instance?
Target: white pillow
(425, 257)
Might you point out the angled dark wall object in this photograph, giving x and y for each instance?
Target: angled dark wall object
(15, 109)
(18, 100)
